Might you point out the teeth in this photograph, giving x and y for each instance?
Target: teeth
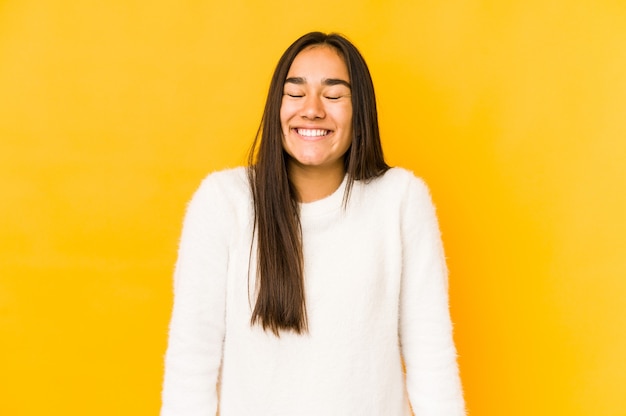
(312, 132)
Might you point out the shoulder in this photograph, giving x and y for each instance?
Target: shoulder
(233, 178)
(221, 194)
(402, 176)
(225, 185)
(396, 192)
(399, 183)
(401, 191)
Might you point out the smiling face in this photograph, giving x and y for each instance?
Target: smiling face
(316, 110)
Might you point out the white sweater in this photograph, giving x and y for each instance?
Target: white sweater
(376, 294)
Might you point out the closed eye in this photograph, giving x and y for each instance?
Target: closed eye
(336, 97)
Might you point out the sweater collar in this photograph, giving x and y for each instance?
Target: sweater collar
(325, 205)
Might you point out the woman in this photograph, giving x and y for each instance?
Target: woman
(307, 283)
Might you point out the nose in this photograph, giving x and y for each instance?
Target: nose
(312, 107)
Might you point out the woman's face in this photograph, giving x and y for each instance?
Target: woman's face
(316, 111)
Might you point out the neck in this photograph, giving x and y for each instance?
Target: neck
(313, 184)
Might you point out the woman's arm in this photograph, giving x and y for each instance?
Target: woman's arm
(432, 377)
(196, 333)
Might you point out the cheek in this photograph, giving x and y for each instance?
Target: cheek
(347, 121)
(346, 117)
(285, 115)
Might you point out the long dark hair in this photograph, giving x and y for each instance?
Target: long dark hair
(280, 303)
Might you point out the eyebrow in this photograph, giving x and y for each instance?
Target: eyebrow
(326, 81)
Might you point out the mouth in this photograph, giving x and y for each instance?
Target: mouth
(312, 133)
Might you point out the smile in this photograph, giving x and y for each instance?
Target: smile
(312, 132)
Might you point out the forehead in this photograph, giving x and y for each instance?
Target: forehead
(319, 62)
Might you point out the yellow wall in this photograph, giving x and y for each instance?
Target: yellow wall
(112, 111)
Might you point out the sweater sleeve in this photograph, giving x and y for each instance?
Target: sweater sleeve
(428, 350)
(196, 333)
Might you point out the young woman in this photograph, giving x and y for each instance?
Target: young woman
(314, 281)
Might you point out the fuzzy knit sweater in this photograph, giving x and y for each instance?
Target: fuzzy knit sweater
(380, 337)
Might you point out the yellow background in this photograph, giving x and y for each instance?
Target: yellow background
(514, 112)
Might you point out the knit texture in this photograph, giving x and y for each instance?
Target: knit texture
(377, 302)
